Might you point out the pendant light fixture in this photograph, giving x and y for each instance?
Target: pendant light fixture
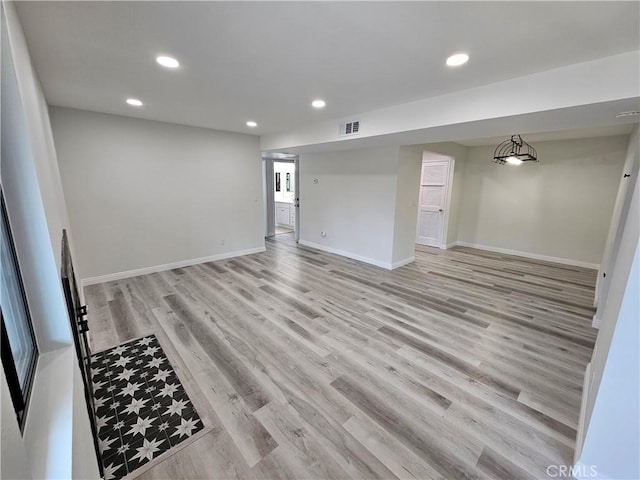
(514, 152)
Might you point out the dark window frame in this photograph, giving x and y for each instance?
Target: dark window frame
(19, 397)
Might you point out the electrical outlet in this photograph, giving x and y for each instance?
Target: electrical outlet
(222, 242)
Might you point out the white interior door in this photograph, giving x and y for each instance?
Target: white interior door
(433, 196)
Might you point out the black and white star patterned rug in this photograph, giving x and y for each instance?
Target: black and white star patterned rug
(142, 409)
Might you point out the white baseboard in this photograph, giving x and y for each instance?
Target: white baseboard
(354, 256)
(596, 322)
(448, 245)
(535, 256)
(402, 263)
(167, 266)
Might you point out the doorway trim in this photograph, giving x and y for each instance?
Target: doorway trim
(296, 200)
(268, 185)
(268, 198)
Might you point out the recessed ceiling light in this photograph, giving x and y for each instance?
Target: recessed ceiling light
(168, 62)
(134, 102)
(318, 104)
(631, 113)
(252, 124)
(457, 59)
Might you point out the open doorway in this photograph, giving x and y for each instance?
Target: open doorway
(281, 195)
(434, 200)
(284, 197)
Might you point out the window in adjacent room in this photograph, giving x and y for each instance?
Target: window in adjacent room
(19, 349)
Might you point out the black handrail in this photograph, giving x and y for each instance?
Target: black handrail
(79, 327)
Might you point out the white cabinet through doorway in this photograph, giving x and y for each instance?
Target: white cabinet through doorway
(285, 214)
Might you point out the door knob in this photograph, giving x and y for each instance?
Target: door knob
(440, 210)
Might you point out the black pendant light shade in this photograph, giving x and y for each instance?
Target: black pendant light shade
(515, 151)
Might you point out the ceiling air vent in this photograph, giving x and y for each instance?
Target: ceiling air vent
(350, 128)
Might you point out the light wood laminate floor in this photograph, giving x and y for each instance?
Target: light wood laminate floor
(283, 230)
(306, 365)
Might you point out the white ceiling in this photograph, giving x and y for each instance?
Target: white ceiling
(570, 134)
(266, 61)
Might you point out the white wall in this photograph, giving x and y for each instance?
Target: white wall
(283, 169)
(37, 213)
(353, 202)
(406, 204)
(559, 208)
(612, 441)
(13, 456)
(628, 243)
(619, 217)
(143, 194)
